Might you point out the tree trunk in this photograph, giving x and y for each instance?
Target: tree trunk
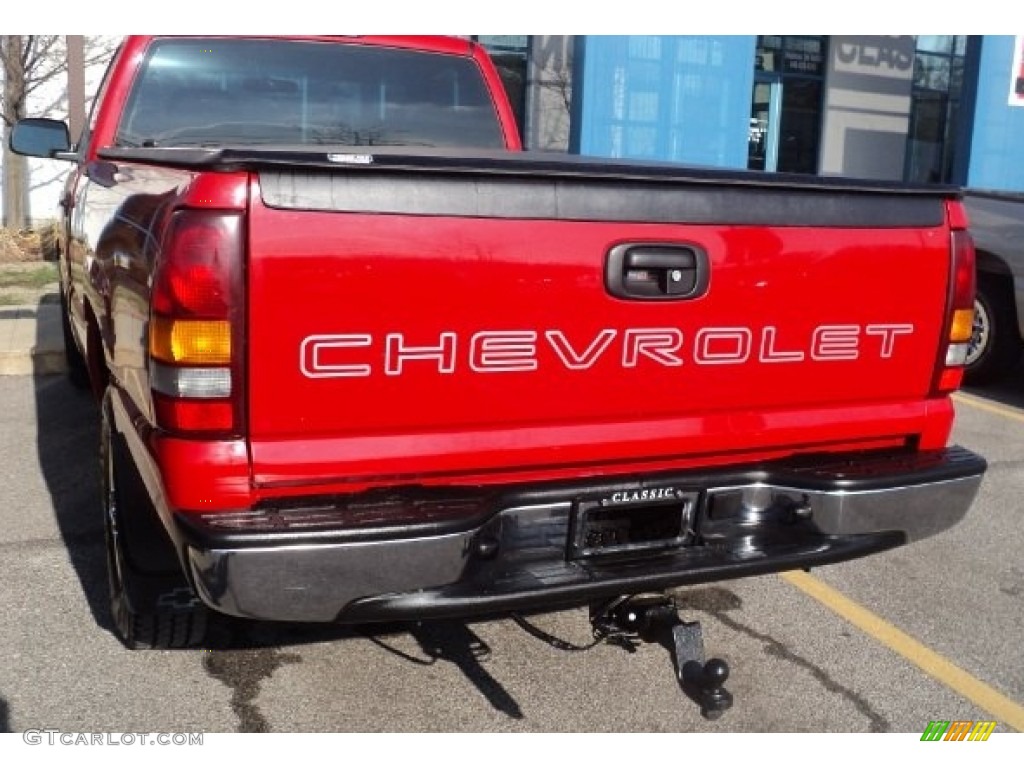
(15, 167)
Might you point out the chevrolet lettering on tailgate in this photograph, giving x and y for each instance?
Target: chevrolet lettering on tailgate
(325, 356)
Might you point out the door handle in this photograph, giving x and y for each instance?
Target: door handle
(657, 271)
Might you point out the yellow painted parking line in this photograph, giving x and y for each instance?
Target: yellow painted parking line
(984, 405)
(1001, 708)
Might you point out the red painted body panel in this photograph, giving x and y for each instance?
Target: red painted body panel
(214, 475)
(203, 475)
(376, 275)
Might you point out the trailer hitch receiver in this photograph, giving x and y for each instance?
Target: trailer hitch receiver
(655, 619)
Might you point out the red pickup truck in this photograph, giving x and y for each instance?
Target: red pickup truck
(361, 358)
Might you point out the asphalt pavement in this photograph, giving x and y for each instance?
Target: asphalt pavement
(797, 665)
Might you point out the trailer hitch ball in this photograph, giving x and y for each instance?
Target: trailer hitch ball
(716, 672)
(709, 688)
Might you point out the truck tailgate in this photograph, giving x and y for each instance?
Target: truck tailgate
(406, 328)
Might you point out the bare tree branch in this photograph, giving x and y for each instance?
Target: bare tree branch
(32, 53)
(33, 69)
(53, 177)
(26, 52)
(58, 104)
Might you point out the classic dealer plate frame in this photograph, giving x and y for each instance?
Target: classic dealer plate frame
(633, 521)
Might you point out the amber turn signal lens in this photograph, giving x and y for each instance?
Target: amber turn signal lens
(190, 342)
(962, 326)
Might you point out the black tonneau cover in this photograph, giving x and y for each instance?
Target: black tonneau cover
(535, 185)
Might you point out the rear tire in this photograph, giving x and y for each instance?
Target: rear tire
(995, 343)
(78, 371)
(151, 603)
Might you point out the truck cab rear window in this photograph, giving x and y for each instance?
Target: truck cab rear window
(259, 92)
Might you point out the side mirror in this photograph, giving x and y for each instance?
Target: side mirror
(41, 137)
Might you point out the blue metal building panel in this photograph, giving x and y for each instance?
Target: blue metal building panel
(997, 144)
(661, 97)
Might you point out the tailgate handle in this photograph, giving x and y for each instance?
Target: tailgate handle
(657, 271)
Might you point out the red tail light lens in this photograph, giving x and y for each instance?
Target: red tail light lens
(959, 322)
(196, 325)
(194, 416)
(199, 275)
(963, 271)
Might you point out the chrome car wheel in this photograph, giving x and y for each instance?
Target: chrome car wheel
(981, 333)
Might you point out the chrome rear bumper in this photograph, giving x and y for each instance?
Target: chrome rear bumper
(758, 520)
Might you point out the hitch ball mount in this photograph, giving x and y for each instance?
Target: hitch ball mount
(655, 619)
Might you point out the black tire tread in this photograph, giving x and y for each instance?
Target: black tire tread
(164, 629)
(149, 610)
(78, 371)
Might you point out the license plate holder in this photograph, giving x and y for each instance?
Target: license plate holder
(633, 522)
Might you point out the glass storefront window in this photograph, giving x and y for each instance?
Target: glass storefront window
(801, 125)
(803, 56)
(785, 113)
(938, 43)
(935, 107)
(931, 72)
(760, 141)
(956, 75)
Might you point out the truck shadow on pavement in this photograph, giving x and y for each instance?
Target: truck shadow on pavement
(242, 654)
(1009, 390)
(456, 643)
(67, 422)
(5, 719)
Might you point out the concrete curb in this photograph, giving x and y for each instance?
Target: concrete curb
(33, 363)
(31, 341)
